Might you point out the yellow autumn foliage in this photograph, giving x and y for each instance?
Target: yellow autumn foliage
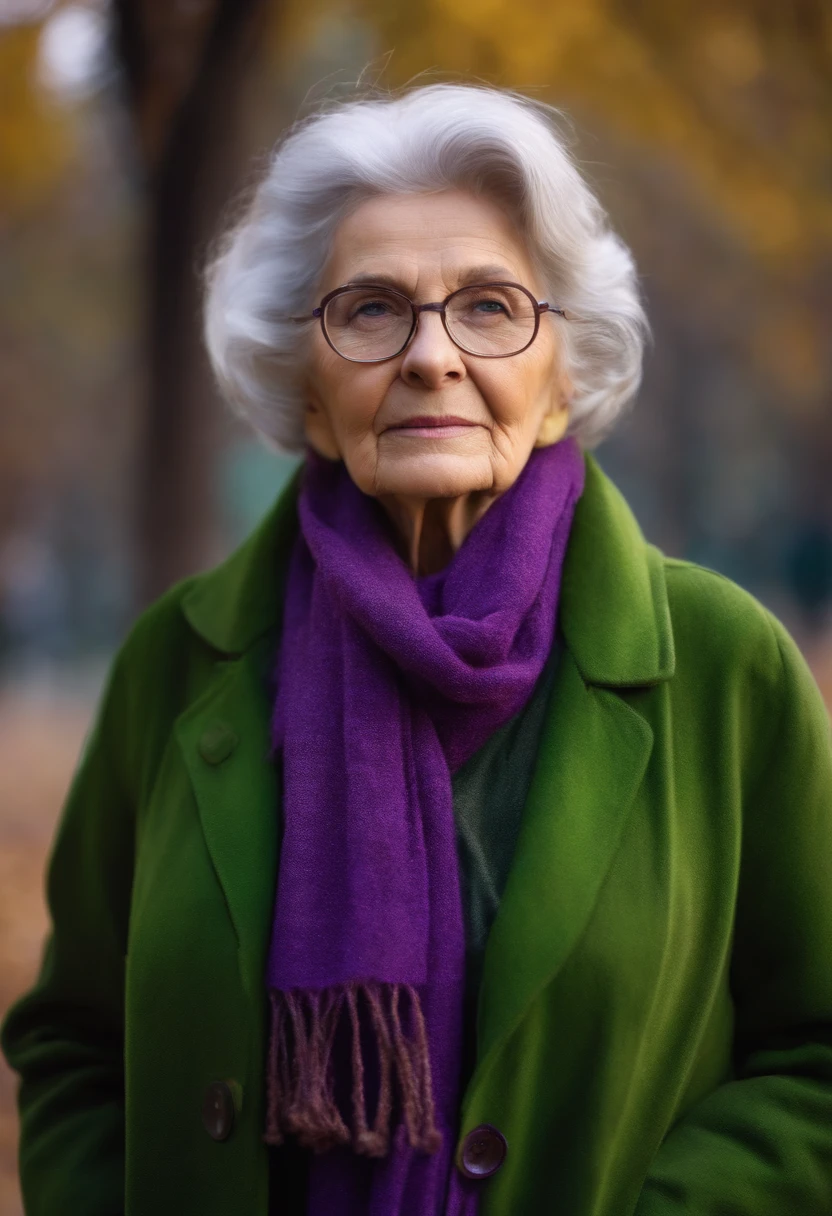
(36, 135)
(740, 102)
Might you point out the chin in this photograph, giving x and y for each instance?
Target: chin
(432, 475)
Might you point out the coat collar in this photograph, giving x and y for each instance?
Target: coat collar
(236, 602)
(614, 612)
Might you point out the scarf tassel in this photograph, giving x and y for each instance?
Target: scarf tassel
(301, 1080)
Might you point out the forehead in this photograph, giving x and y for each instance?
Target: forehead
(442, 235)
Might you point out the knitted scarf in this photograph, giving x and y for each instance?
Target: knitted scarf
(386, 684)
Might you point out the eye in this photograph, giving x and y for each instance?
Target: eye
(372, 308)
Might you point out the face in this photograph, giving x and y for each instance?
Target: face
(497, 409)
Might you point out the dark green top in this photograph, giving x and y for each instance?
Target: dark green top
(489, 793)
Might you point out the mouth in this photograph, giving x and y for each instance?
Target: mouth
(434, 426)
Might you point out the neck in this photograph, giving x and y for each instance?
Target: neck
(430, 530)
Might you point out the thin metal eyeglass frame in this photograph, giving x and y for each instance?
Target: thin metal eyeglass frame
(540, 306)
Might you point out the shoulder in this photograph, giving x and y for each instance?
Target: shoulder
(159, 666)
(730, 645)
(707, 605)
(173, 646)
(159, 638)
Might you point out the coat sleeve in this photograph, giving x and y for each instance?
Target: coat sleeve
(761, 1144)
(64, 1036)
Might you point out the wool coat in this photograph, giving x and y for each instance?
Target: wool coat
(654, 1026)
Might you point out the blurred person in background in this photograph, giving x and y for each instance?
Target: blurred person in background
(449, 848)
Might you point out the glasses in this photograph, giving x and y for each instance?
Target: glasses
(370, 324)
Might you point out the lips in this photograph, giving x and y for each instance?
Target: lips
(427, 420)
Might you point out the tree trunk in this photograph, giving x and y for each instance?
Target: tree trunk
(184, 94)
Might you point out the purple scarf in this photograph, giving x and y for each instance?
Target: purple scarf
(386, 684)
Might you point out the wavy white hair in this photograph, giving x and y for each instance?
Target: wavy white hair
(266, 266)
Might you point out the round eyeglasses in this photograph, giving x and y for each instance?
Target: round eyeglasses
(369, 324)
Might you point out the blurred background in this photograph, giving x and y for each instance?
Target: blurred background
(128, 128)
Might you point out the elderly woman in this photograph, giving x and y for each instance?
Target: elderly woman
(447, 849)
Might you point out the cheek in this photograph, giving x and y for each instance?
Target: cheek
(518, 390)
(349, 395)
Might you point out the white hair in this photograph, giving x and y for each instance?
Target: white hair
(266, 266)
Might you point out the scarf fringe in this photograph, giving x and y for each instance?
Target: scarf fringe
(301, 1080)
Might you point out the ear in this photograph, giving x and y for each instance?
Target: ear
(555, 421)
(319, 433)
(552, 428)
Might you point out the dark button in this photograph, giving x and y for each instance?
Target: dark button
(483, 1152)
(218, 1110)
(217, 742)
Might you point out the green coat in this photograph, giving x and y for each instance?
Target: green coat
(655, 1015)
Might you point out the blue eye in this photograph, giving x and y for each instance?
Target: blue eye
(489, 305)
(372, 304)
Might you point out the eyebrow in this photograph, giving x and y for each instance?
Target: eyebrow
(474, 274)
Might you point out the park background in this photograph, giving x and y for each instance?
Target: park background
(127, 131)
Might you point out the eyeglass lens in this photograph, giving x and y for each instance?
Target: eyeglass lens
(368, 323)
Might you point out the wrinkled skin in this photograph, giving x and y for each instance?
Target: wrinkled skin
(434, 486)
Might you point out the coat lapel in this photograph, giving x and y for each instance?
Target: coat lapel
(224, 735)
(224, 738)
(593, 754)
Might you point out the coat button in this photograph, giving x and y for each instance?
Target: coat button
(218, 1110)
(483, 1152)
(217, 743)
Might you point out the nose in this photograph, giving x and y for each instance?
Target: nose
(431, 358)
